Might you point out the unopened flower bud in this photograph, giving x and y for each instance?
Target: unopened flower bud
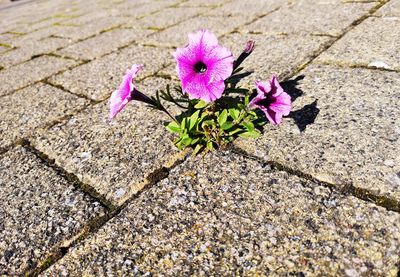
(249, 46)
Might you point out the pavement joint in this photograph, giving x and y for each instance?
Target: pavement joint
(112, 211)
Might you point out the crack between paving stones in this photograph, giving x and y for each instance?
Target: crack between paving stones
(389, 204)
(93, 225)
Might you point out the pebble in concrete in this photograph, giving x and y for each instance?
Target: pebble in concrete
(344, 129)
(228, 215)
(39, 212)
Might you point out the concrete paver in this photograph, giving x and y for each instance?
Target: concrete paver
(311, 17)
(227, 215)
(356, 49)
(39, 211)
(102, 44)
(344, 129)
(32, 108)
(31, 71)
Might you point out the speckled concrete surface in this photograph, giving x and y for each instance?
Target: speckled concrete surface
(39, 211)
(61, 60)
(356, 49)
(227, 215)
(113, 158)
(344, 129)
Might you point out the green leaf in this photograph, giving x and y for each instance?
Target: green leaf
(237, 130)
(210, 145)
(222, 117)
(209, 122)
(246, 100)
(197, 149)
(248, 125)
(234, 113)
(194, 141)
(173, 127)
(227, 125)
(193, 120)
(201, 104)
(186, 140)
(253, 134)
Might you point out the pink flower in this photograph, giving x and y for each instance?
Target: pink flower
(203, 65)
(123, 94)
(272, 100)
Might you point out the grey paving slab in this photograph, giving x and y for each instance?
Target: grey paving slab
(201, 3)
(311, 17)
(225, 215)
(39, 212)
(27, 73)
(144, 8)
(390, 10)
(103, 44)
(345, 129)
(30, 49)
(167, 17)
(115, 159)
(34, 107)
(275, 54)
(252, 9)
(177, 35)
(356, 49)
(99, 78)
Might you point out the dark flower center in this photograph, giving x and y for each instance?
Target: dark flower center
(266, 101)
(200, 67)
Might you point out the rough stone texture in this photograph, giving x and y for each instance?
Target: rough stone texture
(225, 215)
(311, 17)
(177, 35)
(30, 49)
(251, 9)
(356, 49)
(34, 107)
(168, 17)
(345, 129)
(145, 8)
(99, 78)
(27, 73)
(39, 211)
(114, 158)
(102, 44)
(390, 10)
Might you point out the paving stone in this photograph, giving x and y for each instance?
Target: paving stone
(275, 54)
(3, 49)
(145, 8)
(168, 17)
(113, 158)
(177, 35)
(390, 10)
(207, 3)
(344, 130)
(311, 17)
(27, 73)
(32, 48)
(32, 108)
(40, 212)
(252, 9)
(102, 44)
(356, 49)
(226, 215)
(99, 78)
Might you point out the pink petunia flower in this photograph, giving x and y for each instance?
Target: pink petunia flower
(203, 65)
(272, 100)
(123, 94)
